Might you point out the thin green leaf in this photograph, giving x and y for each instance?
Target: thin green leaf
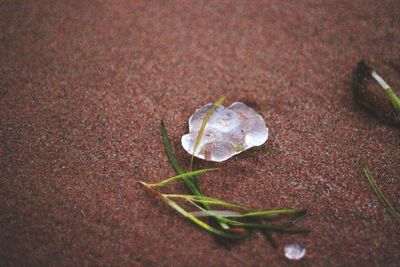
(205, 201)
(200, 223)
(217, 217)
(381, 196)
(250, 212)
(212, 213)
(192, 184)
(393, 97)
(285, 227)
(181, 176)
(203, 126)
(170, 154)
(230, 214)
(271, 212)
(208, 200)
(389, 91)
(274, 227)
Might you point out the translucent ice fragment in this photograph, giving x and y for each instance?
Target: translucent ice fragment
(294, 251)
(228, 132)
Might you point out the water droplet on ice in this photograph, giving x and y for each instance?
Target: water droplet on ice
(294, 251)
(228, 132)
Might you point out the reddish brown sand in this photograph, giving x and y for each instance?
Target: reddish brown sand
(85, 85)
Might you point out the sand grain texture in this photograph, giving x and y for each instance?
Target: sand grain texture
(83, 89)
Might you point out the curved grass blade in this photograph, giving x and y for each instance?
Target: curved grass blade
(210, 213)
(381, 196)
(389, 91)
(249, 212)
(219, 219)
(393, 97)
(200, 223)
(191, 183)
(288, 228)
(209, 200)
(285, 227)
(203, 126)
(274, 227)
(229, 213)
(170, 154)
(181, 176)
(262, 213)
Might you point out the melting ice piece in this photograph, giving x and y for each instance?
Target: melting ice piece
(294, 251)
(228, 132)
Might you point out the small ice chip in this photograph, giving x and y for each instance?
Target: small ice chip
(294, 251)
(228, 132)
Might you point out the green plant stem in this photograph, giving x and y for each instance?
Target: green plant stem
(249, 212)
(393, 97)
(193, 187)
(262, 213)
(181, 176)
(381, 196)
(203, 126)
(389, 91)
(200, 223)
(286, 227)
(209, 200)
(170, 154)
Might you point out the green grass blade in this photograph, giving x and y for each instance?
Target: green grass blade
(389, 91)
(393, 97)
(230, 214)
(205, 201)
(217, 217)
(168, 149)
(181, 176)
(203, 126)
(274, 227)
(272, 212)
(192, 184)
(198, 222)
(285, 227)
(213, 213)
(170, 154)
(208, 200)
(250, 212)
(381, 196)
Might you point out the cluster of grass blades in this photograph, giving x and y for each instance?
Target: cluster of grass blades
(228, 220)
(233, 215)
(381, 196)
